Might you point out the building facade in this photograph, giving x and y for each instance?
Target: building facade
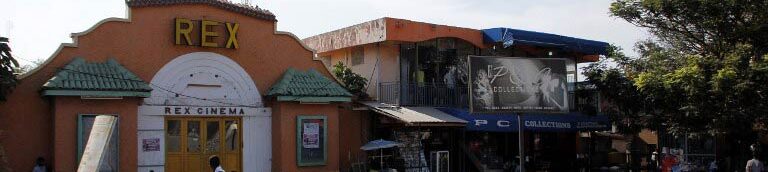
(419, 91)
(185, 80)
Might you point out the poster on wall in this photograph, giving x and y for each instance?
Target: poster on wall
(311, 135)
(150, 145)
(517, 84)
(311, 140)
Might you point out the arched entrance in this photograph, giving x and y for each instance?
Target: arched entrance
(203, 104)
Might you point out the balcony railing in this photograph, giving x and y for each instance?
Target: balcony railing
(426, 94)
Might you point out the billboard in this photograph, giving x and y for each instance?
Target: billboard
(516, 84)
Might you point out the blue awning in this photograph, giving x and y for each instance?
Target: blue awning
(571, 122)
(510, 37)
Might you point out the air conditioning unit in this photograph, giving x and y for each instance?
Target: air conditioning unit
(439, 161)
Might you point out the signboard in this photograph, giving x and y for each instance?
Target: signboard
(150, 145)
(514, 84)
(207, 32)
(190, 110)
(311, 140)
(501, 122)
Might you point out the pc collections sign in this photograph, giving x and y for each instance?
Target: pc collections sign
(514, 84)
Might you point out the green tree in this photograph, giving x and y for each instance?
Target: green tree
(7, 64)
(7, 82)
(353, 82)
(703, 71)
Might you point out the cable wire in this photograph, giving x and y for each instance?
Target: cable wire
(159, 87)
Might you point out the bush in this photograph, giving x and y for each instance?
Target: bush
(351, 81)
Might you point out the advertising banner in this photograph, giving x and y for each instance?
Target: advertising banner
(515, 84)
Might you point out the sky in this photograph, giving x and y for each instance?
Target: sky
(36, 28)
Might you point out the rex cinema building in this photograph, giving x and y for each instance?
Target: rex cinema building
(185, 79)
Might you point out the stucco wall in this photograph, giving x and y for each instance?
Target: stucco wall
(143, 44)
(65, 134)
(284, 135)
(355, 131)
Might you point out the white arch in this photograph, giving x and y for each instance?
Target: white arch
(209, 76)
(189, 78)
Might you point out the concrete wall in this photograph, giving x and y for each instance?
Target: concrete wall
(284, 135)
(364, 33)
(380, 63)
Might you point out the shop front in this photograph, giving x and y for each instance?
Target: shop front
(551, 142)
(184, 81)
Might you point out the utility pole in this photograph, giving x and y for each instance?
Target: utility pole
(521, 141)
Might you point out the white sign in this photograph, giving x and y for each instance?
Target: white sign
(311, 136)
(187, 110)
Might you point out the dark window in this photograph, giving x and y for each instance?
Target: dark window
(358, 55)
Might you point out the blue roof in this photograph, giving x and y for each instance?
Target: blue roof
(523, 37)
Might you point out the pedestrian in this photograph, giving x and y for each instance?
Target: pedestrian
(713, 166)
(215, 163)
(40, 165)
(669, 162)
(754, 165)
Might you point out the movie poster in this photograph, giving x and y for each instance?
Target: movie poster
(513, 84)
(311, 135)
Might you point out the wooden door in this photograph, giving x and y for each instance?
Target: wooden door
(190, 141)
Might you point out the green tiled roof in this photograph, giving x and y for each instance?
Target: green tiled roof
(81, 78)
(309, 86)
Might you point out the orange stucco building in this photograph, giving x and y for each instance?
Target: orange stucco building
(186, 79)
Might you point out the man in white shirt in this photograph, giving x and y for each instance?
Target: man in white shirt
(754, 165)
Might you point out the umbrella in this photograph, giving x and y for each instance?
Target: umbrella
(379, 144)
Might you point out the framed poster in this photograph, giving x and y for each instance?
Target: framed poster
(517, 84)
(311, 140)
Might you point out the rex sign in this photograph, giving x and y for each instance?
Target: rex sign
(205, 33)
(513, 84)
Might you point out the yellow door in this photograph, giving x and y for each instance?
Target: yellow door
(191, 140)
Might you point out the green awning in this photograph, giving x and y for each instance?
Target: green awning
(309, 87)
(107, 79)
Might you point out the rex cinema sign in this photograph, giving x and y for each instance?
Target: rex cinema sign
(204, 33)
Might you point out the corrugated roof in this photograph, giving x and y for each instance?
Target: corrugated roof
(422, 116)
(80, 75)
(306, 84)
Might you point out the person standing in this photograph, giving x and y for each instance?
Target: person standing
(40, 165)
(215, 163)
(754, 165)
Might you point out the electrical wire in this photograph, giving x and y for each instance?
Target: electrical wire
(160, 88)
(184, 95)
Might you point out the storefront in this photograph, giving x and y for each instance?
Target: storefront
(185, 80)
(552, 142)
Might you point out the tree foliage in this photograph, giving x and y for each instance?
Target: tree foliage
(704, 70)
(353, 82)
(7, 64)
(7, 82)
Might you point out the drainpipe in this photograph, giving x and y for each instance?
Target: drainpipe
(378, 72)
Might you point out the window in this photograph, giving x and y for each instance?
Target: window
(358, 55)
(311, 149)
(84, 125)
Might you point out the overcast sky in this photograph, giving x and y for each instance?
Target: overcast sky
(37, 27)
